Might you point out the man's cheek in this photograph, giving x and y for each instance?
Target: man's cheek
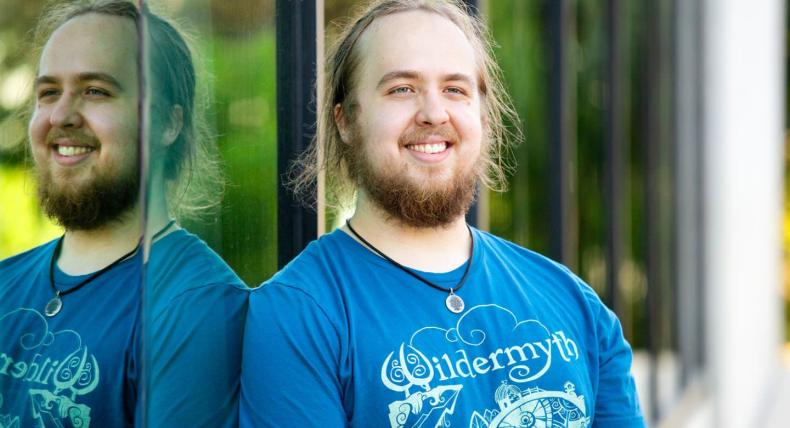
(36, 130)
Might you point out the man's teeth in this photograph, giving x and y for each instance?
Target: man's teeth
(429, 148)
(73, 150)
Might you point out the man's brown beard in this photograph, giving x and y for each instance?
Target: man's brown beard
(409, 202)
(102, 200)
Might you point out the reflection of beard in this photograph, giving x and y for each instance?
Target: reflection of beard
(414, 203)
(105, 197)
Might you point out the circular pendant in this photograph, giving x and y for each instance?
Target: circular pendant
(53, 306)
(454, 303)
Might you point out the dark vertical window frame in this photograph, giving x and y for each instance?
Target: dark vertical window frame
(563, 204)
(652, 139)
(689, 187)
(698, 354)
(297, 36)
(616, 151)
(671, 223)
(473, 216)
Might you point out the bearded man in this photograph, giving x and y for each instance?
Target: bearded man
(407, 316)
(72, 317)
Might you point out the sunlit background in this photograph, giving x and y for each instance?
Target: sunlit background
(600, 183)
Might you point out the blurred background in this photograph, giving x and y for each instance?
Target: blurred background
(653, 166)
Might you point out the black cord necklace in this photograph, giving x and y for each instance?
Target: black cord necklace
(453, 302)
(55, 304)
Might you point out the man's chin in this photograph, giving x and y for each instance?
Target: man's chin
(97, 205)
(424, 207)
(87, 221)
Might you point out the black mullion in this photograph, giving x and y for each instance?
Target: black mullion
(473, 216)
(672, 263)
(700, 355)
(296, 117)
(652, 156)
(688, 161)
(615, 153)
(562, 134)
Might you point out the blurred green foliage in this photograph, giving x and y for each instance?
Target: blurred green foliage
(521, 33)
(21, 224)
(236, 41)
(235, 50)
(244, 110)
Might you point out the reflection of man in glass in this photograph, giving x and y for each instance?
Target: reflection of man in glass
(77, 346)
(406, 316)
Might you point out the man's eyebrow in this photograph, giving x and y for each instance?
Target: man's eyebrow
(398, 74)
(44, 80)
(459, 77)
(102, 77)
(409, 74)
(83, 77)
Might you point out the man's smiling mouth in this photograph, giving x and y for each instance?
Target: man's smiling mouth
(431, 148)
(73, 150)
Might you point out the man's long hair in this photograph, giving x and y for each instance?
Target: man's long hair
(329, 155)
(192, 172)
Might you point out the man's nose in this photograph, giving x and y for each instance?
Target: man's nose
(432, 110)
(66, 113)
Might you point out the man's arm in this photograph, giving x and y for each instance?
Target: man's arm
(616, 403)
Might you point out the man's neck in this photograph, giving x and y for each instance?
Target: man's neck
(430, 249)
(87, 251)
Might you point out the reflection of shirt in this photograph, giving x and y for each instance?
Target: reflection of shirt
(195, 311)
(83, 366)
(341, 337)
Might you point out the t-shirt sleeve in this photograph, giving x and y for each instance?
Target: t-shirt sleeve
(616, 403)
(291, 371)
(195, 358)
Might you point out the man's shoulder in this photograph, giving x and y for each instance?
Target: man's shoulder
(319, 260)
(501, 247)
(321, 268)
(185, 258)
(516, 256)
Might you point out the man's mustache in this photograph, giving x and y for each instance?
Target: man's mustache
(445, 132)
(77, 138)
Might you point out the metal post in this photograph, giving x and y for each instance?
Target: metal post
(473, 215)
(651, 138)
(296, 117)
(616, 153)
(563, 224)
(689, 187)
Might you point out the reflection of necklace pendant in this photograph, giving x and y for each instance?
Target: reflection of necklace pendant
(454, 303)
(53, 306)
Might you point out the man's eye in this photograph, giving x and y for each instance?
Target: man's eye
(45, 93)
(456, 90)
(401, 90)
(97, 92)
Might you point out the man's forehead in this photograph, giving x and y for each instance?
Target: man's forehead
(416, 40)
(91, 43)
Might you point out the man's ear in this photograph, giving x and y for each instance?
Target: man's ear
(174, 125)
(342, 125)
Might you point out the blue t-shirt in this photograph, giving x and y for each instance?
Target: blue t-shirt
(341, 337)
(84, 366)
